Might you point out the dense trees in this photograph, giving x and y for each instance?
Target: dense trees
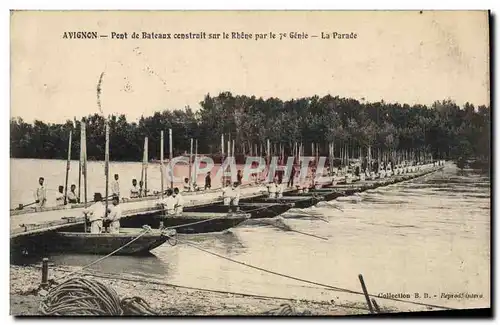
(443, 129)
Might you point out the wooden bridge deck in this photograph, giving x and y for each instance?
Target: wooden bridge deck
(29, 223)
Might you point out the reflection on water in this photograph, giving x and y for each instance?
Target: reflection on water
(430, 235)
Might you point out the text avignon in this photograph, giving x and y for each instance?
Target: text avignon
(80, 35)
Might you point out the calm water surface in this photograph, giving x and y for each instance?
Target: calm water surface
(25, 173)
(430, 235)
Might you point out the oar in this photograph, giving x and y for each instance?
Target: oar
(285, 227)
(314, 216)
(305, 233)
(333, 206)
(20, 207)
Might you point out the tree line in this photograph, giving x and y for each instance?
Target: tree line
(442, 129)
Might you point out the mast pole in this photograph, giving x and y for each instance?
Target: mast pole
(106, 165)
(67, 169)
(161, 163)
(84, 159)
(190, 163)
(170, 158)
(146, 157)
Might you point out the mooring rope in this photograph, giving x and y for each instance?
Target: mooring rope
(330, 287)
(157, 282)
(85, 297)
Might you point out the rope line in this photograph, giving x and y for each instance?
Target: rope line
(114, 276)
(308, 281)
(87, 297)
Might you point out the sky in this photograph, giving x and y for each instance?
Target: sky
(407, 57)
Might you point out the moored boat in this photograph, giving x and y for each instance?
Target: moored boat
(256, 210)
(187, 223)
(327, 194)
(139, 241)
(300, 202)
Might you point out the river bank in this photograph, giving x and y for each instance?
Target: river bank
(170, 300)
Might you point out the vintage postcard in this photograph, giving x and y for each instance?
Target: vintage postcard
(227, 163)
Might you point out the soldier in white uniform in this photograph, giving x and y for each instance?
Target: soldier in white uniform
(95, 214)
(179, 202)
(41, 193)
(168, 203)
(271, 188)
(115, 186)
(236, 195)
(114, 215)
(227, 193)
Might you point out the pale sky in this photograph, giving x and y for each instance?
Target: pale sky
(404, 57)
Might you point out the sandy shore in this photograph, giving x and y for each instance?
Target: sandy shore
(26, 296)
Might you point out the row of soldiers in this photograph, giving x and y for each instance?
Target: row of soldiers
(41, 195)
(172, 204)
(136, 191)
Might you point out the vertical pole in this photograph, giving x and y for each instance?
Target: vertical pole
(370, 158)
(367, 297)
(268, 150)
(229, 153)
(143, 164)
(222, 144)
(268, 157)
(80, 165)
(146, 160)
(170, 154)
(161, 162)
(341, 154)
(330, 158)
(222, 159)
(196, 162)
(228, 156)
(84, 164)
(67, 169)
(232, 148)
(190, 163)
(106, 165)
(294, 151)
(45, 271)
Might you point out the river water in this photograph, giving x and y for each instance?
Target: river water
(25, 173)
(428, 236)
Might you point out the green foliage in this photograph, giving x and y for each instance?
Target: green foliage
(444, 129)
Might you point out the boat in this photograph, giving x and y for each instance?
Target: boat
(327, 194)
(187, 223)
(300, 202)
(73, 239)
(106, 243)
(256, 210)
